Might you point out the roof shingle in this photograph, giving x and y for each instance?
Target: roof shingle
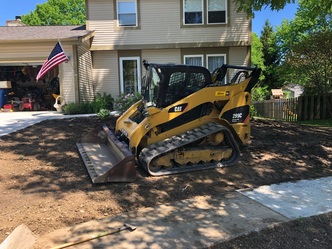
(25, 33)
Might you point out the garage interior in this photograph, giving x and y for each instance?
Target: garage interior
(23, 92)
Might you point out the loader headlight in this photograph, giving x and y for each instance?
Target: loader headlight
(123, 131)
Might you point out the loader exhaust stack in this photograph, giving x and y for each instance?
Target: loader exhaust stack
(107, 160)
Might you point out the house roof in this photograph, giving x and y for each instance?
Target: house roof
(43, 33)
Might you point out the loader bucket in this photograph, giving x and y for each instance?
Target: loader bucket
(107, 160)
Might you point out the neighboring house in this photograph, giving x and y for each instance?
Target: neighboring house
(196, 32)
(294, 89)
(23, 49)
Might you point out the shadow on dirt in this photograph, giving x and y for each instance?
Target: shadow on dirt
(43, 161)
(278, 152)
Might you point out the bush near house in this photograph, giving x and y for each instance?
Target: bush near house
(102, 102)
(124, 101)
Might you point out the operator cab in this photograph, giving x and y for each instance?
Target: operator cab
(165, 84)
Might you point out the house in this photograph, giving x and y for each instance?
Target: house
(196, 32)
(294, 90)
(106, 55)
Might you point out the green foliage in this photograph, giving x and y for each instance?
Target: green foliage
(252, 111)
(103, 114)
(57, 12)
(321, 122)
(260, 93)
(102, 102)
(271, 55)
(249, 6)
(81, 108)
(257, 58)
(305, 49)
(313, 58)
(124, 101)
(286, 93)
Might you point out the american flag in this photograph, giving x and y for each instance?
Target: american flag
(56, 57)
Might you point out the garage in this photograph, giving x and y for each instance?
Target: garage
(24, 92)
(24, 49)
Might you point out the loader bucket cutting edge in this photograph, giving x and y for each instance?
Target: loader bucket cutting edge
(110, 162)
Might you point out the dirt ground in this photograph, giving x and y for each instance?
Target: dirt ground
(44, 184)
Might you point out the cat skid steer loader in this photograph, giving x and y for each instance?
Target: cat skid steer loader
(188, 119)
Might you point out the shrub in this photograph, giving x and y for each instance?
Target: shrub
(253, 111)
(124, 101)
(103, 114)
(81, 108)
(260, 93)
(102, 101)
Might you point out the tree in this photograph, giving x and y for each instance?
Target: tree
(257, 56)
(259, 92)
(249, 6)
(306, 49)
(293, 39)
(57, 12)
(271, 57)
(312, 60)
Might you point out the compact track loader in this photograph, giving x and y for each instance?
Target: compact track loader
(188, 119)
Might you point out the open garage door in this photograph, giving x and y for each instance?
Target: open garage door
(25, 93)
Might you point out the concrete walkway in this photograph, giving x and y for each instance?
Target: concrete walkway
(193, 223)
(204, 220)
(13, 121)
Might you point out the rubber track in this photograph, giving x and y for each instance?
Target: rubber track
(167, 145)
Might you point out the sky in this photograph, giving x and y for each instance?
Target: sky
(275, 17)
(10, 9)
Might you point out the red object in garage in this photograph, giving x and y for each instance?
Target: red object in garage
(8, 107)
(27, 103)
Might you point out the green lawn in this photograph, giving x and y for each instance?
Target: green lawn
(324, 122)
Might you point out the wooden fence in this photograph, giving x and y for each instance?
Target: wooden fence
(295, 109)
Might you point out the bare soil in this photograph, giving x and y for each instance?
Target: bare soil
(44, 183)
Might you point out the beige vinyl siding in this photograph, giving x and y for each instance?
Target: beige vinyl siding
(100, 10)
(85, 85)
(34, 53)
(239, 56)
(162, 56)
(67, 72)
(164, 27)
(105, 72)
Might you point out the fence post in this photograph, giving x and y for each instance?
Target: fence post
(317, 109)
(299, 108)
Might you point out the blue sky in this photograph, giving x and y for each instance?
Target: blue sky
(10, 9)
(275, 17)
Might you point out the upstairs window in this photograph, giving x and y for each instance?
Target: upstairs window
(127, 13)
(200, 12)
(193, 11)
(216, 11)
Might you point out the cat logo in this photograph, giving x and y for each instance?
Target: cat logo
(178, 108)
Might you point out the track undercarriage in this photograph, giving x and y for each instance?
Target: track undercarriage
(209, 146)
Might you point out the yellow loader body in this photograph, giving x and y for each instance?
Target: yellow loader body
(187, 120)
